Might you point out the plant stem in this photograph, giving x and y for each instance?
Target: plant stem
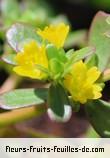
(15, 116)
(10, 83)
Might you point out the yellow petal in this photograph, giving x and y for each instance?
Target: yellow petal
(68, 82)
(97, 91)
(55, 34)
(93, 74)
(27, 60)
(79, 72)
(28, 72)
(81, 83)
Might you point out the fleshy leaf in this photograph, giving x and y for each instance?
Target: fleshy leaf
(52, 52)
(9, 58)
(108, 20)
(57, 98)
(65, 118)
(62, 54)
(92, 61)
(22, 98)
(57, 59)
(69, 53)
(55, 53)
(19, 34)
(78, 55)
(82, 53)
(98, 39)
(56, 68)
(98, 112)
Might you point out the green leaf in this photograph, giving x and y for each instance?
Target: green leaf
(43, 69)
(9, 55)
(56, 68)
(108, 20)
(98, 112)
(78, 55)
(92, 61)
(22, 98)
(65, 118)
(57, 98)
(55, 53)
(19, 34)
(82, 53)
(69, 53)
(98, 39)
(62, 56)
(52, 52)
(9, 58)
(57, 58)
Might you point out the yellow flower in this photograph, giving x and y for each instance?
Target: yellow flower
(55, 34)
(27, 60)
(81, 83)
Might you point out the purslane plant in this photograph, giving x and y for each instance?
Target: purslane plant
(36, 61)
(72, 77)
